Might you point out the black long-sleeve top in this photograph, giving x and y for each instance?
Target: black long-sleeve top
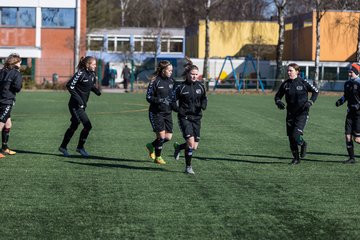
(80, 86)
(296, 94)
(351, 95)
(159, 94)
(10, 84)
(191, 98)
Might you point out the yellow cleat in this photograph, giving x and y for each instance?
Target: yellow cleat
(159, 160)
(8, 151)
(151, 151)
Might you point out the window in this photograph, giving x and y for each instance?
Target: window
(164, 46)
(330, 73)
(123, 45)
(344, 73)
(21, 17)
(176, 47)
(137, 46)
(96, 43)
(111, 44)
(58, 17)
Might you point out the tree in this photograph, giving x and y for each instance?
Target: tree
(209, 5)
(321, 6)
(280, 6)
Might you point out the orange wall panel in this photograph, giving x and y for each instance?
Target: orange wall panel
(17, 37)
(339, 33)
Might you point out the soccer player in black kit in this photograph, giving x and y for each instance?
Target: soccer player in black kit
(189, 100)
(79, 87)
(10, 84)
(298, 105)
(352, 121)
(159, 94)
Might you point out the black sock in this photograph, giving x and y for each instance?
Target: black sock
(67, 137)
(83, 136)
(182, 146)
(350, 149)
(158, 146)
(5, 137)
(294, 148)
(188, 156)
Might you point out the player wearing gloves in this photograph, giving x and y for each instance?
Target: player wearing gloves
(159, 96)
(352, 121)
(296, 92)
(189, 100)
(10, 84)
(79, 87)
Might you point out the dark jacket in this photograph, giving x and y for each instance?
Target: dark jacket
(10, 84)
(351, 95)
(159, 95)
(192, 99)
(296, 94)
(80, 86)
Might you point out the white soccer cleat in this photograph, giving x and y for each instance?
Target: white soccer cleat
(189, 170)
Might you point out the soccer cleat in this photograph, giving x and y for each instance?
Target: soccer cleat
(64, 151)
(303, 150)
(189, 170)
(82, 152)
(8, 151)
(349, 161)
(295, 161)
(176, 151)
(2, 155)
(159, 160)
(151, 150)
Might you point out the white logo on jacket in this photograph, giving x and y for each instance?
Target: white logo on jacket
(299, 88)
(198, 91)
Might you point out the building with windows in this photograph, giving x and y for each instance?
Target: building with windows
(142, 47)
(49, 35)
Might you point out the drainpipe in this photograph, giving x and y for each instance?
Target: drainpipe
(77, 33)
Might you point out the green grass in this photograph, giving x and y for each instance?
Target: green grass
(244, 187)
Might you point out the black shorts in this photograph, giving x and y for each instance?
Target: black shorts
(78, 115)
(352, 124)
(5, 111)
(296, 123)
(161, 122)
(190, 128)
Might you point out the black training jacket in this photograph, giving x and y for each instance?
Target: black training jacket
(192, 99)
(296, 94)
(352, 95)
(10, 84)
(159, 94)
(80, 86)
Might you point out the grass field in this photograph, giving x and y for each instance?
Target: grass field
(244, 187)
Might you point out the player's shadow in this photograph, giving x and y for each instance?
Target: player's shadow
(327, 154)
(245, 160)
(108, 165)
(262, 156)
(103, 165)
(306, 159)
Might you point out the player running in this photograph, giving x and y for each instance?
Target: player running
(10, 84)
(192, 100)
(159, 96)
(298, 105)
(79, 87)
(352, 120)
